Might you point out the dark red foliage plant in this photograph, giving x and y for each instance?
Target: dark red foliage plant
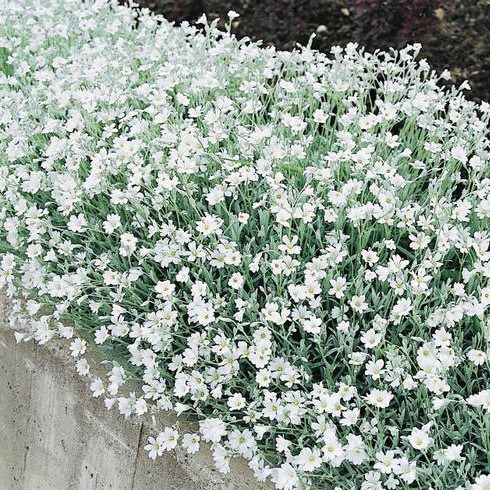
(395, 23)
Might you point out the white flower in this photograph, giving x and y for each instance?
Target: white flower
(375, 368)
(355, 450)
(357, 358)
(385, 462)
(112, 223)
(183, 275)
(402, 308)
(215, 196)
(289, 245)
(243, 218)
(406, 470)
(459, 154)
(167, 439)
(101, 335)
(164, 289)
(282, 444)
(448, 455)
(78, 347)
(154, 447)
(370, 257)
(481, 399)
(338, 288)
(243, 442)
(126, 405)
(97, 387)
(477, 357)
(358, 303)
(350, 417)
(190, 442)
(481, 482)
(419, 439)
(128, 244)
(201, 312)
(272, 313)
(319, 116)
(485, 296)
(236, 401)
(312, 325)
(209, 225)
(371, 338)
(332, 449)
(221, 458)
(372, 481)
(379, 398)
(308, 459)
(212, 430)
(285, 477)
(77, 224)
(236, 281)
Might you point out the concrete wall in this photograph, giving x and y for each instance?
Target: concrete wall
(55, 436)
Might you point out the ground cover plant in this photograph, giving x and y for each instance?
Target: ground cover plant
(290, 248)
(455, 34)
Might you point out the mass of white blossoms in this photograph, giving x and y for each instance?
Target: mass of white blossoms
(290, 249)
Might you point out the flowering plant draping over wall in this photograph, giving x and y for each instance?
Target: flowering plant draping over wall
(290, 248)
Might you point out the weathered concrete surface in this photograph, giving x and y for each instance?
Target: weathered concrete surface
(55, 436)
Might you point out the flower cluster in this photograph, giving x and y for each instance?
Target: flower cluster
(289, 248)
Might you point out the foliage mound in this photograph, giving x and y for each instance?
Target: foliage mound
(290, 248)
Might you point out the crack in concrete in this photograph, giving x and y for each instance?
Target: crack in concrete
(28, 421)
(140, 435)
(101, 426)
